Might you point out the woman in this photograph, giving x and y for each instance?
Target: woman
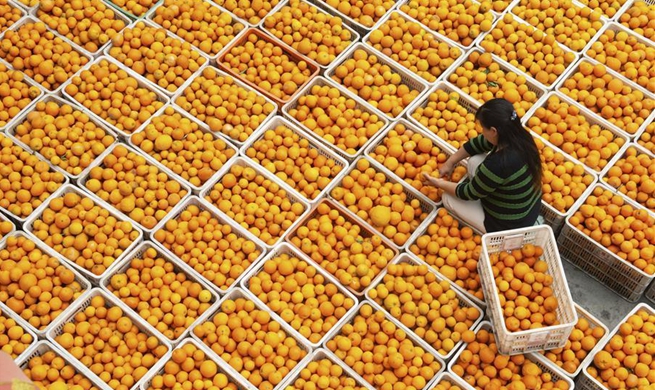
(503, 190)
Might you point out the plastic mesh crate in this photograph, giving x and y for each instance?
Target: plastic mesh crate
(448, 377)
(5, 312)
(320, 355)
(549, 337)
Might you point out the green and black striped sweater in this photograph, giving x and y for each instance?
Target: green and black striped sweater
(503, 185)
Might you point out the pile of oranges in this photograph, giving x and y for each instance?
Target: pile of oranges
(483, 79)
(528, 49)
(382, 353)
(252, 11)
(113, 95)
(9, 15)
(33, 284)
(385, 205)
(209, 246)
(323, 36)
(161, 59)
(135, 7)
(182, 146)
(626, 361)
(325, 374)
(118, 352)
(377, 83)
(460, 21)
(523, 285)
(443, 115)
(49, 369)
(251, 342)
(452, 250)
(336, 118)
(291, 157)
(412, 46)
(15, 94)
(268, 66)
(565, 126)
(223, 105)
(608, 8)
(83, 232)
(25, 181)
(624, 53)
(6, 227)
(342, 247)
(88, 23)
(480, 365)
(624, 230)
(13, 338)
(137, 188)
(634, 175)
(409, 154)
(190, 365)
(446, 384)
(255, 202)
(608, 96)
(428, 306)
(640, 18)
(199, 23)
(646, 140)
(64, 135)
(160, 293)
(301, 296)
(364, 13)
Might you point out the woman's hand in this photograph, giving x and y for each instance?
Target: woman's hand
(432, 180)
(446, 169)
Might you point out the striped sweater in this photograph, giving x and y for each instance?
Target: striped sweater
(503, 185)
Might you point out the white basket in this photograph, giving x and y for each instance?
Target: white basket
(236, 81)
(313, 142)
(463, 302)
(360, 28)
(21, 9)
(324, 354)
(5, 312)
(288, 249)
(99, 162)
(471, 105)
(586, 381)
(243, 162)
(426, 205)
(179, 267)
(366, 231)
(600, 263)
(152, 84)
(408, 78)
(223, 368)
(449, 377)
(83, 53)
(130, 15)
(143, 83)
(437, 38)
(11, 132)
(359, 104)
(112, 301)
(638, 137)
(224, 220)
(548, 337)
(30, 83)
(44, 346)
(533, 357)
(93, 278)
(4, 218)
(650, 293)
(237, 293)
(322, 8)
(626, 7)
(410, 336)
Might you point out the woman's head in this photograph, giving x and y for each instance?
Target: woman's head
(502, 127)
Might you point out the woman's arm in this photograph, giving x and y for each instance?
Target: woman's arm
(447, 167)
(448, 187)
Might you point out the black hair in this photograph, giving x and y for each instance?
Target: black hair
(500, 114)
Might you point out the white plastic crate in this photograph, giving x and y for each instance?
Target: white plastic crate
(130, 15)
(110, 301)
(360, 28)
(533, 357)
(463, 302)
(471, 105)
(27, 329)
(222, 219)
(548, 337)
(235, 294)
(599, 262)
(366, 231)
(359, 104)
(638, 137)
(650, 293)
(314, 143)
(243, 162)
(412, 81)
(626, 7)
(179, 267)
(21, 9)
(30, 83)
(93, 278)
(448, 377)
(585, 381)
(410, 336)
(292, 251)
(142, 82)
(99, 162)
